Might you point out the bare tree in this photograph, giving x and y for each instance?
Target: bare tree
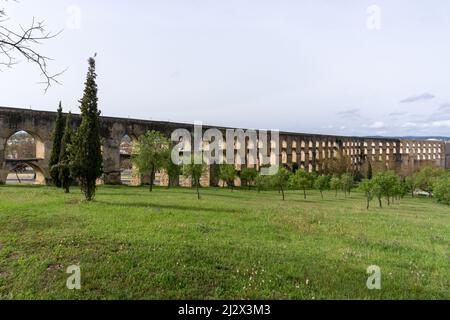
(21, 42)
(19, 169)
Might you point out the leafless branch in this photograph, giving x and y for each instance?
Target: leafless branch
(22, 43)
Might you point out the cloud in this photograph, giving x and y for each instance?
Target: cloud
(431, 124)
(423, 96)
(410, 125)
(377, 125)
(397, 114)
(353, 113)
(443, 112)
(441, 124)
(445, 107)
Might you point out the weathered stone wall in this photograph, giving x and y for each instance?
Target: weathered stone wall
(447, 155)
(40, 125)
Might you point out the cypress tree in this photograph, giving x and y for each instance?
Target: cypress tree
(86, 161)
(56, 149)
(64, 157)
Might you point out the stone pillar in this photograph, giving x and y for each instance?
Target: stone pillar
(3, 170)
(237, 182)
(163, 178)
(41, 178)
(44, 148)
(306, 164)
(111, 162)
(204, 180)
(289, 151)
(185, 182)
(136, 179)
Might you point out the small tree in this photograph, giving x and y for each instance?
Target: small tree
(86, 163)
(427, 177)
(249, 175)
(382, 185)
(366, 186)
(302, 180)
(347, 182)
(262, 182)
(64, 157)
(391, 185)
(411, 184)
(195, 172)
(441, 189)
(173, 170)
(280, 180)
(335, 184)
(150, 154)
(322, 183)
(227, 173)
(56, 148)
(400, 188)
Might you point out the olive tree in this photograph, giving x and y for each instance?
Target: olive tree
(150, 154)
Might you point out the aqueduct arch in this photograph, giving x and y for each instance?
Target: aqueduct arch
(40, 178)
(39, 146)
(39, 127)
(17, 152)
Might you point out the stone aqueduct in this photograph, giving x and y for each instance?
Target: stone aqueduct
(306, 151)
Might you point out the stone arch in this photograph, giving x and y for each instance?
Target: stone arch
(127, 169)
(294, 157)
(127, 143)
(284, 158)
(24, 137)
(26, 172)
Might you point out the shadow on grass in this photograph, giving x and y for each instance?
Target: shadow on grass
(165, 206)
(176, 192)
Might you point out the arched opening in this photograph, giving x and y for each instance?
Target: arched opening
(23, 145)
(23, 173)
(127, 173)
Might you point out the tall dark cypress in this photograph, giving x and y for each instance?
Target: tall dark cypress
(86, 159)
(56, 149)
(64, 157)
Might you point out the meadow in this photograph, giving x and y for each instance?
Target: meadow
(133, 244)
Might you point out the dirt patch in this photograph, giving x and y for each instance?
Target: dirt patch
(13, 256)
(55, 267)
(73, 201)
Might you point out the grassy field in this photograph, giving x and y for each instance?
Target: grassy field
(132, 244)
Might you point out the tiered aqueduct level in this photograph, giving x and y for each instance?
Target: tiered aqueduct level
(308, 151)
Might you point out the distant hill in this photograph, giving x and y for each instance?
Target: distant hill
(427, 138)
(441, 138)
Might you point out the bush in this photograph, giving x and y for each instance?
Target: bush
(248, 175)
(442, 189)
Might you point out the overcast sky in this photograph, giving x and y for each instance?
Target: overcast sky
(337, 67)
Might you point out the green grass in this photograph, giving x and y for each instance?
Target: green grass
(132, 244)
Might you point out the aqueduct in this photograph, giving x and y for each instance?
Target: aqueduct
(308, 151)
